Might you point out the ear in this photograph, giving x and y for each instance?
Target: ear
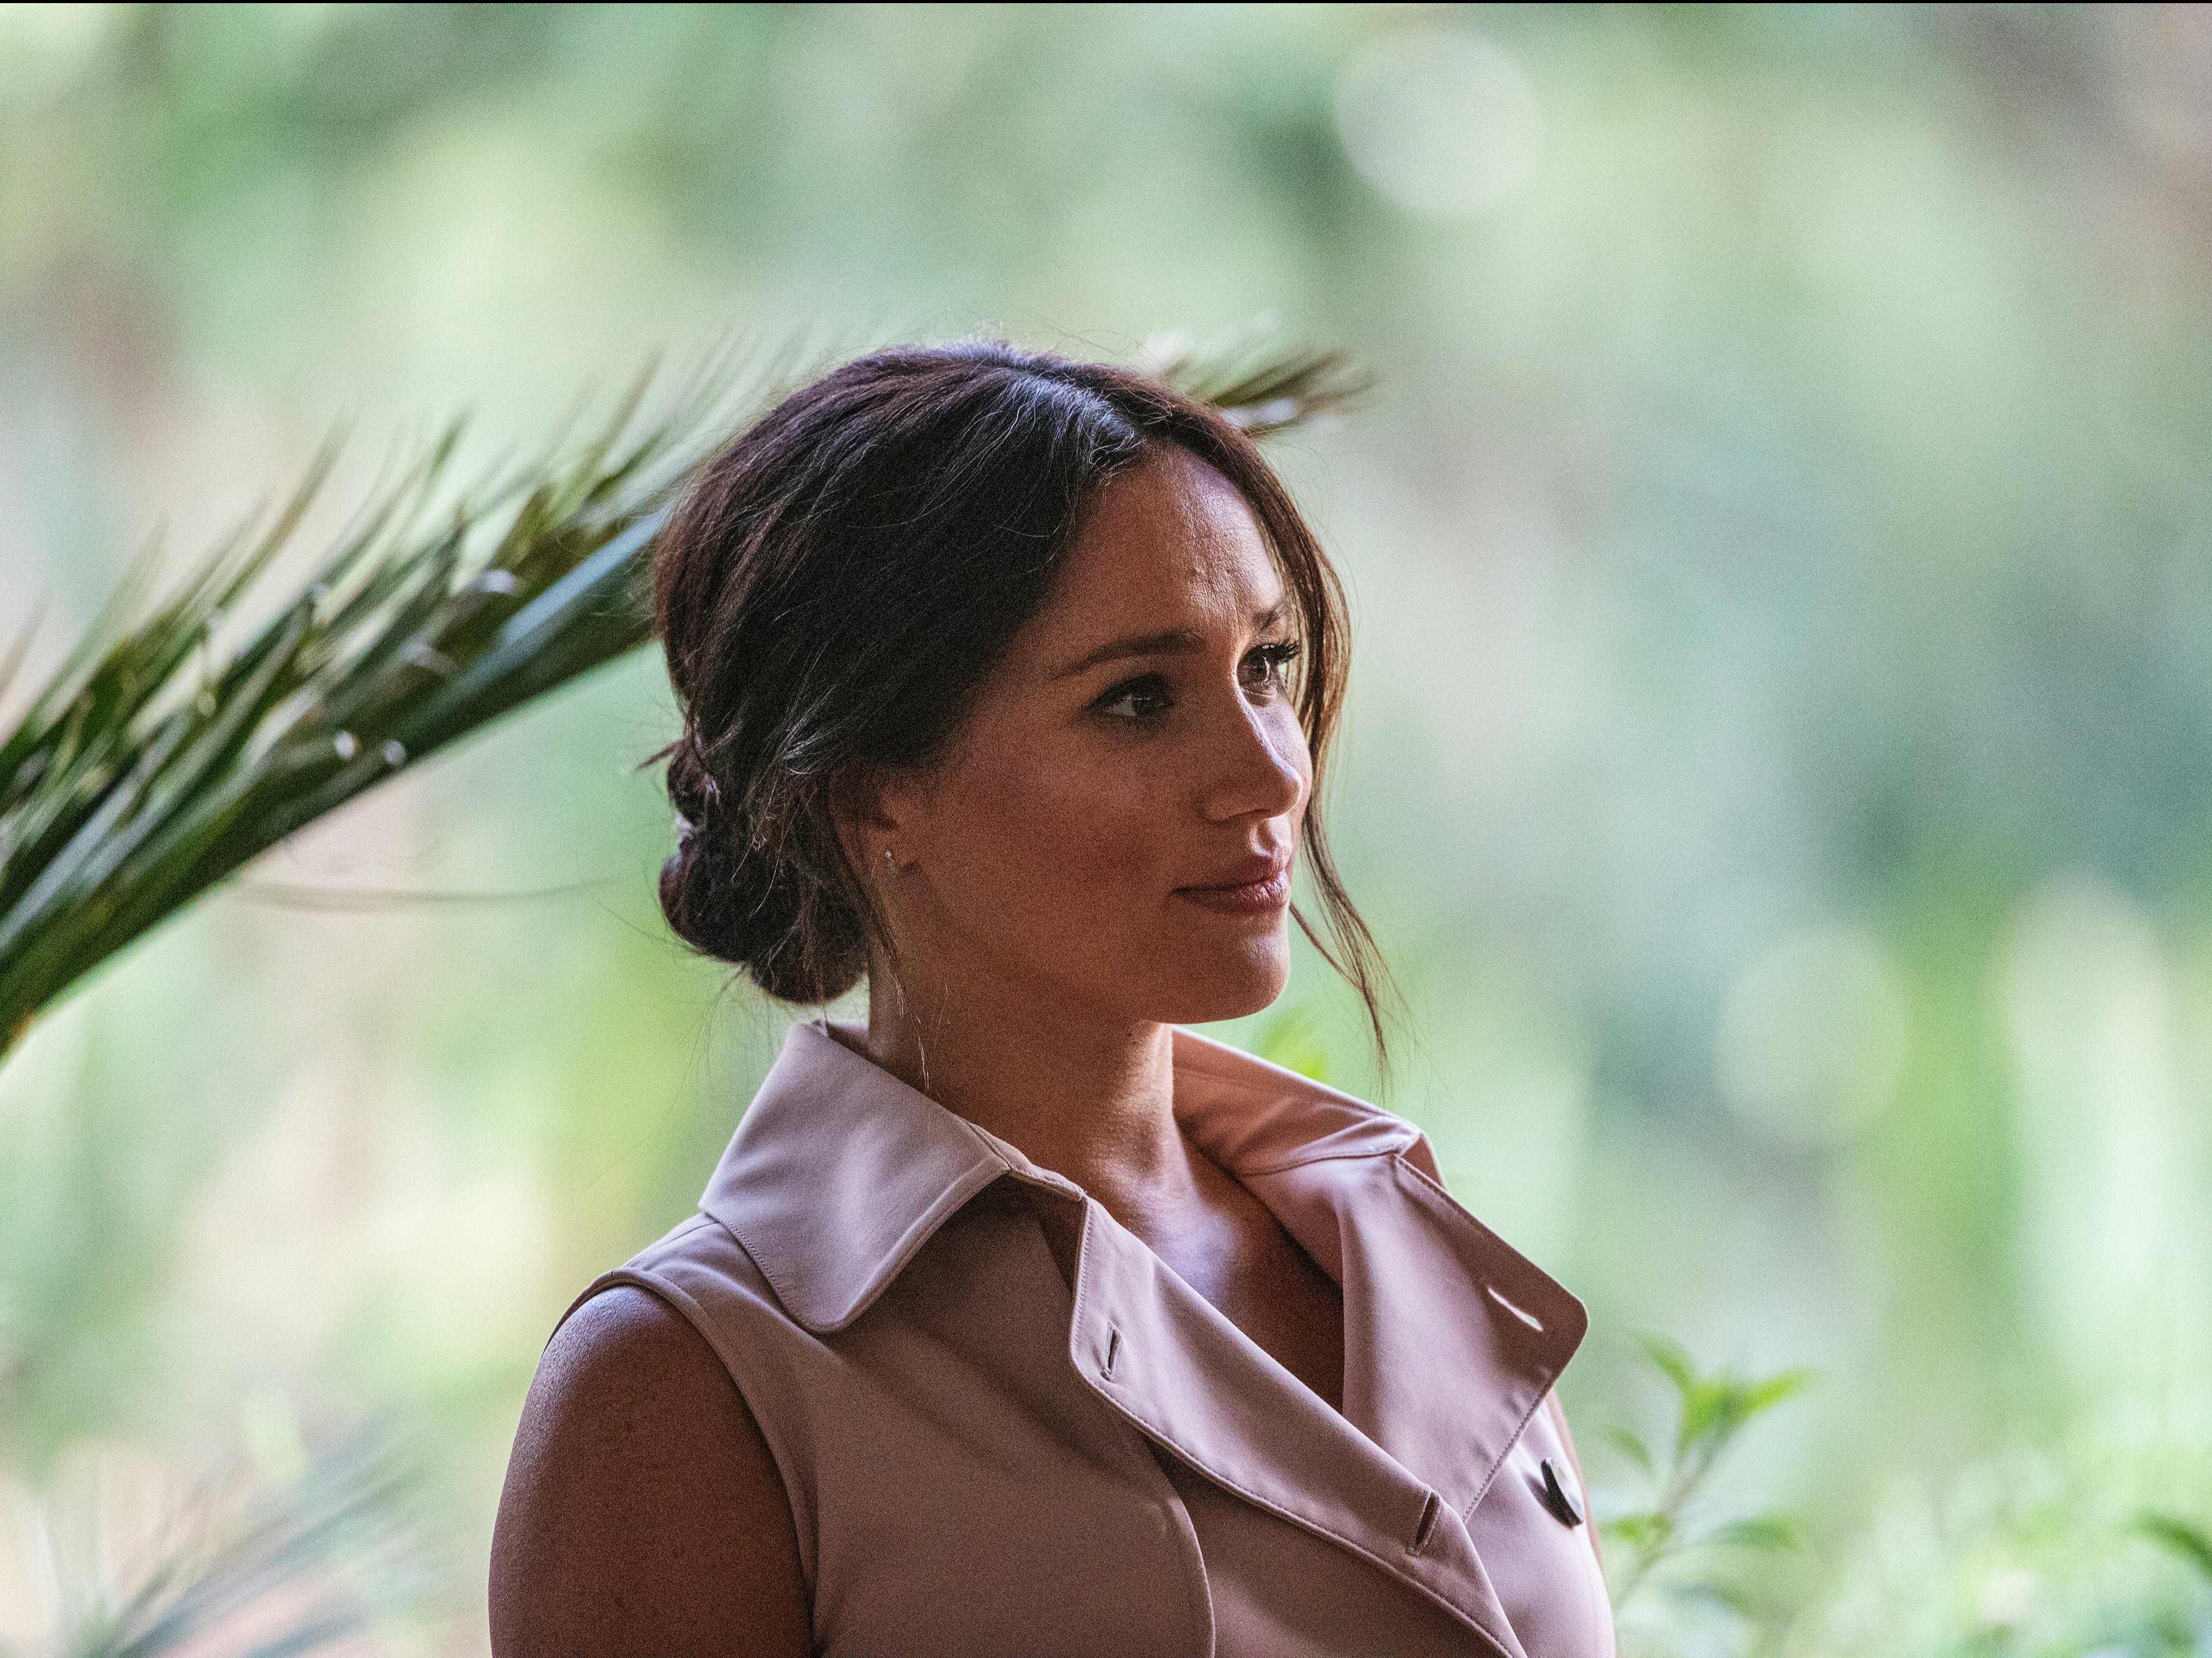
(873, 810)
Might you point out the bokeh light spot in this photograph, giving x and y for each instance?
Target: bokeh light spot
(1443, 121)
(1811, 1040)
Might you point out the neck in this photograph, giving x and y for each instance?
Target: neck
(1088, 1097)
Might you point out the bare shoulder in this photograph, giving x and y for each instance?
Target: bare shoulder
(642, 1512)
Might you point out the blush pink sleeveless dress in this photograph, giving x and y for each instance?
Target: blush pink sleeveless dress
(985, 1461)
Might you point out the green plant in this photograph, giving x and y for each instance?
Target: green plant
(1666, 1543)
(2183, 1539)
(2184, 1628)
(294, 1566)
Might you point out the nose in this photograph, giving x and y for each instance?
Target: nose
(1258, 768)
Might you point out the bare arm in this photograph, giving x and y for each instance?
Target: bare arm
(642, 1516)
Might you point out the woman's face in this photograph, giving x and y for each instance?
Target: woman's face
(1113, 827)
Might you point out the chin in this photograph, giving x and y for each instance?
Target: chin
(1226, 990)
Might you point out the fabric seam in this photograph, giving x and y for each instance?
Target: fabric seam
(1305, 1160)
(1202, 1602)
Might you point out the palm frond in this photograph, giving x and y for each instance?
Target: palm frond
(145, 772)
(1251, 377)
(306, 1566)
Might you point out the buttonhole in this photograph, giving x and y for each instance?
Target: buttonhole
(1428, 1522)
(1113, 1350)
(1526, 1318)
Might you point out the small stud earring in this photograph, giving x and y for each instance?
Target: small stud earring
(891, 863)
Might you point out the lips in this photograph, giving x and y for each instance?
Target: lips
(1257, 886)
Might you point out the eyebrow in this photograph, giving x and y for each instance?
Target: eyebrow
(1177, 641)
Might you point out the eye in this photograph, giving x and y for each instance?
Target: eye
(1269, 665)
(1140, 700)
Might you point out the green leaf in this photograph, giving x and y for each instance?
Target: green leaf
(1709, 1409)
(1774, 1389)
(1245, 372)
(1650, 1529)
(2180, 1537)
(1631, 1445)
(1672, 1358)
(1729, 1596)
(1761, 1531)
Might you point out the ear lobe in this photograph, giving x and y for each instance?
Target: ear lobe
(866, 806)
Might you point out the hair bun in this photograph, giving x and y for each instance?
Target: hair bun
(692, 789)
(730, 897)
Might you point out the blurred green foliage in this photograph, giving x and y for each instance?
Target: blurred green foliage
(2188, 1540)
(1776, 762)
(1667, 1540)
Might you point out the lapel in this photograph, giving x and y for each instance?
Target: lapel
(840, 1173)
(1452, 1337)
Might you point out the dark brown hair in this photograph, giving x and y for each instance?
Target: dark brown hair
(843, 573)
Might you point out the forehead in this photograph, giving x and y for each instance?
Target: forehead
(1169, 542)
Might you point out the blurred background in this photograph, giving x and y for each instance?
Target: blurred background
(1779, 761)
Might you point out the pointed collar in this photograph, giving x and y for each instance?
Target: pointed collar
(839, 1172)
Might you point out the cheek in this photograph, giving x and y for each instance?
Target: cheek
(1065, 834)
(1057, 863)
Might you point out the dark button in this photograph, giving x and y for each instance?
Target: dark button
(1556, 1498)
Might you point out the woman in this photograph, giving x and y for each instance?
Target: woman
(1022, 1320)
